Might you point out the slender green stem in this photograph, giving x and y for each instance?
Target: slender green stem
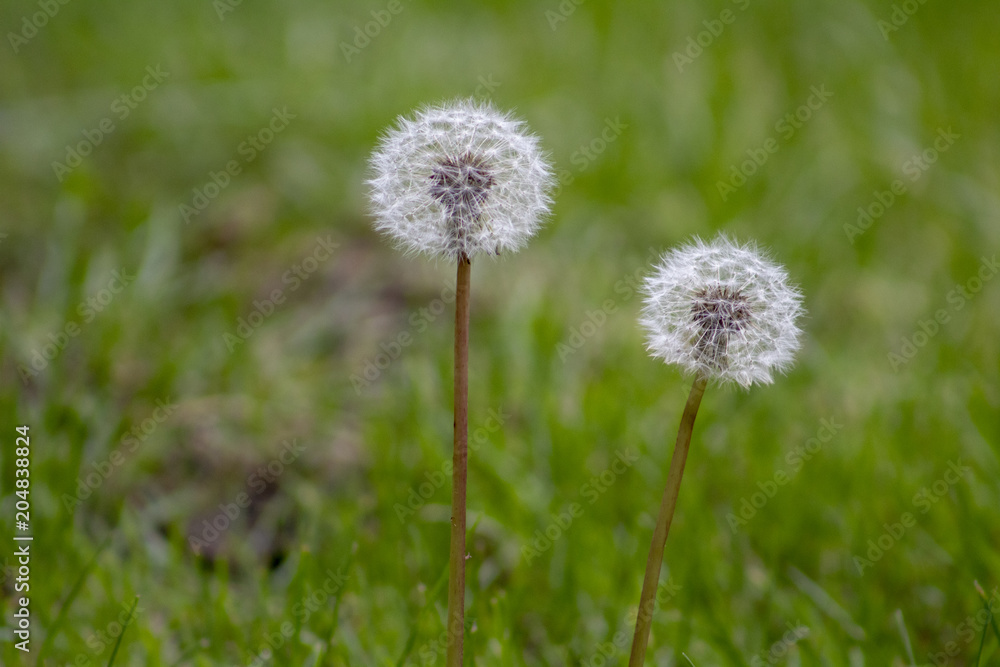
(647, 602)
(456, 563)
(118, 643)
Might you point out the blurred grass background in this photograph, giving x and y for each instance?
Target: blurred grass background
(332, 514)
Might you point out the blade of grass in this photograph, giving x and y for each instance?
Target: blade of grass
(826, 603)
(408, 647)
(316, 654)
(412, 639)
(70, 597)
(219, 591)
(298, 586)
(982, 594)
(118, 642)
(982, 642)
(336, 605)
(905, 635)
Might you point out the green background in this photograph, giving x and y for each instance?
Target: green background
(569, 71)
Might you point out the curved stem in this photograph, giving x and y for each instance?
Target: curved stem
(647, 602)
(460, 457)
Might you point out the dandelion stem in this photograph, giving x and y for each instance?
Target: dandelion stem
(647, 602)
(456, 564)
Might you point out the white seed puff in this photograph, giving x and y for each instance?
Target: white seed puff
(459, 179)
(722, 310)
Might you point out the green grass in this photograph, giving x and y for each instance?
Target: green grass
(330, 516)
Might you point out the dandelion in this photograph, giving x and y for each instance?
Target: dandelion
(459, 180)
(456, 181)
(723, 312)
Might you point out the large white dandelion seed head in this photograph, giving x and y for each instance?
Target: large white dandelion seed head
(458, 180)
(722, 310)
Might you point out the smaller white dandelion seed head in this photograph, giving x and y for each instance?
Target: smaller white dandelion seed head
(722, 310)
(459, 179)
